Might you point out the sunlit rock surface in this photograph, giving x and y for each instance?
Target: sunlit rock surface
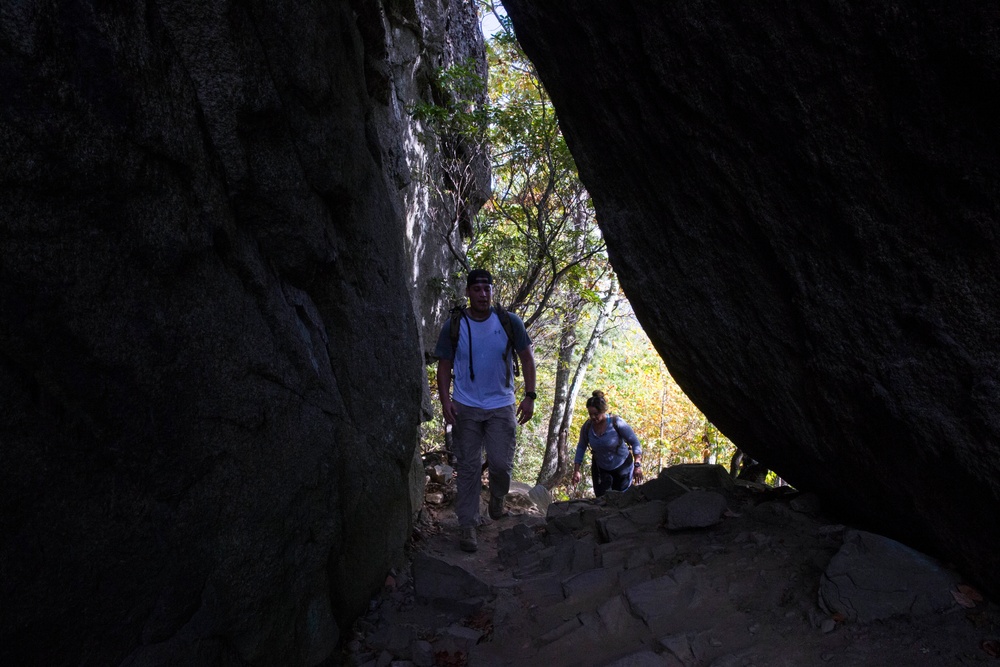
(802, 204)
(211, 252)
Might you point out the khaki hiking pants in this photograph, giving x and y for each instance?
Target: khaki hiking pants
(476, 431)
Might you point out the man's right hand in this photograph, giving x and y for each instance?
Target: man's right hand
(449, 410)
(448, 407)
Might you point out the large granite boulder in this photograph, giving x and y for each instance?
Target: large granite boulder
(210, 369)
(801, 202)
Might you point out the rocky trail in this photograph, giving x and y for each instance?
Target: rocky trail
(689, 569)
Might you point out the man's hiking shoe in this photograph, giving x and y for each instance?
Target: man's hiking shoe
(468, 541)
(496, 508)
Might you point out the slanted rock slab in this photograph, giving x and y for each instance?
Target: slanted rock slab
(447, 585)
(645, 658)
(873, 577)
(801, 204)
(700, 476)
(696, 509)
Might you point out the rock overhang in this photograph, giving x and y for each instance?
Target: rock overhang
(798, 204)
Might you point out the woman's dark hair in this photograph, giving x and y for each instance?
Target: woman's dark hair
(598, 402)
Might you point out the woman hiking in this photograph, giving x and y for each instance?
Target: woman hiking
(616, 454)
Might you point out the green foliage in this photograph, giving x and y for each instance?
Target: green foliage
(432, 430)
(772, 479)
(539, 226)
(449, 290)
(456, 111)
(529, 452)
(639, 387)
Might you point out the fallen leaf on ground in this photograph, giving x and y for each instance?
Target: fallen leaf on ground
(963, 599)
(970, 592)
(991, 647)
(481, 620)
(446, 659)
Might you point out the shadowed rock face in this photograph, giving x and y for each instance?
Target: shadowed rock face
(802, 205)
(210, 371)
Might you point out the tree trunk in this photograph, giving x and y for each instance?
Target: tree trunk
(549, 472)
(556, 463)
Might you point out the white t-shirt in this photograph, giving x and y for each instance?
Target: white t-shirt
(490, 389)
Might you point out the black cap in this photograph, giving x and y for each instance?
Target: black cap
(478, 276)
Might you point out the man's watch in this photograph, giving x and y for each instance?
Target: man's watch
(530, 394)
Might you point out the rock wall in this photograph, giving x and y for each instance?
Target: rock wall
(801, 204)
(210, 368)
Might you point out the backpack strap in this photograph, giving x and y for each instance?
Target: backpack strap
(613, 419)
(456, 320)
(508, 328)
(457, 315)
(614, 423)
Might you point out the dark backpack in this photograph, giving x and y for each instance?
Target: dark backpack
(614, 423)
(458, 314)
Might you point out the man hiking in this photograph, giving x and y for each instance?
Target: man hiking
(478, 345)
